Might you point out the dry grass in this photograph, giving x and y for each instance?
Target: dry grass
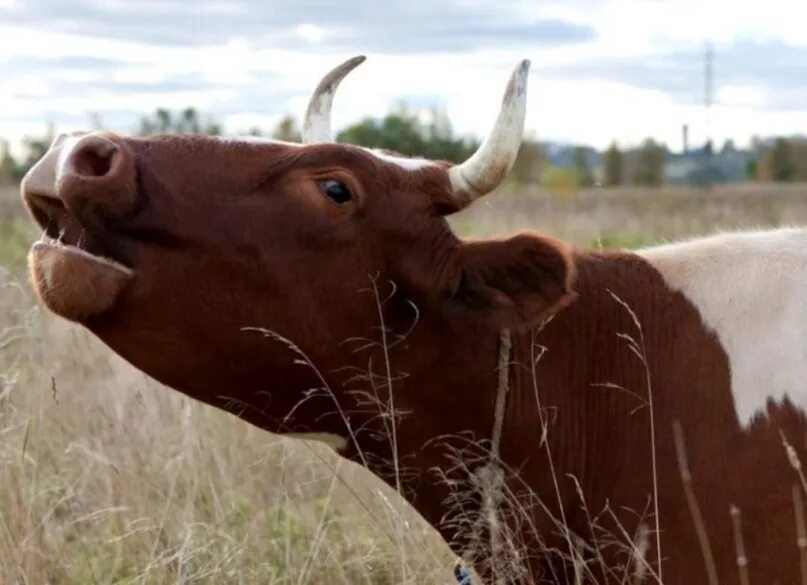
(633, 217)
(106, 477)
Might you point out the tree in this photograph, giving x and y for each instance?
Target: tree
(783, 167)
(799, 147)
(404, 133)
(613, 166)
(187, 121)
(530, 163)
(563, 181)
(8, 167)
(650, 160)
(752, 170)
(582, 167)
(287, 130)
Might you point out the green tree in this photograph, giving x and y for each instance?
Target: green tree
(582, 167)
(187, 121)
(8, 166)
(393, 132)
(404, 133)
(287, 130)
(728, 146)
(752, 170)
(650, 160)
(613, 166)
(530, 163)
(799, 146)
(783, 167)
(562, 181)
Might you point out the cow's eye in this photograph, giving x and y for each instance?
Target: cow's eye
(335, 191)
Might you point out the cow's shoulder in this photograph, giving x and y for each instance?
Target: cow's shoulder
(749, 289)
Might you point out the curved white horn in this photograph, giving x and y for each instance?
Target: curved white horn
(317, 122)
(488, 166)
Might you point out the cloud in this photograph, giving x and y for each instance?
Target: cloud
(602, 69)
(774, 72)
(415, 25)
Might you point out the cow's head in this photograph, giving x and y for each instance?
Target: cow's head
(168, 248)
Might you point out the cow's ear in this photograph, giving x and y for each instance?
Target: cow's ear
(517, 282)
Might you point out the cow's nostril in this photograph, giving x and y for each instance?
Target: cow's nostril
(94, 158)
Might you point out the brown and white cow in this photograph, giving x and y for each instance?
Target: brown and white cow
(317, 288)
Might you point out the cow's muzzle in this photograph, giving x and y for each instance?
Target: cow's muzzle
(84, 182)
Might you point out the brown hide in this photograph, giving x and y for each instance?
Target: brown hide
(594, 389)
(254, 292)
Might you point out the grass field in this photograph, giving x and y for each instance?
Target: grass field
(106, 477)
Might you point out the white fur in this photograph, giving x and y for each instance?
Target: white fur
(751, 289)
(335, 442)
(410, 164)
(256, 140)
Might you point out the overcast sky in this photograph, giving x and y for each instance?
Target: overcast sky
(602, 69)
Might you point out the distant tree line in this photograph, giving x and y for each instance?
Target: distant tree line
(407, 133)
(638, 166)
(785, 160)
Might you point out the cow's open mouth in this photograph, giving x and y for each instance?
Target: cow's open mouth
(62, 231)
(72, 270)
(57, 246)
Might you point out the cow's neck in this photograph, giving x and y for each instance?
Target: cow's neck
(441, 454)
(443, 381)
(580, 367)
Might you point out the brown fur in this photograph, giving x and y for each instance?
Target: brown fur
(237, 255)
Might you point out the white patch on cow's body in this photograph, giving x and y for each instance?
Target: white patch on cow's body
(335, 442)
(751, 289)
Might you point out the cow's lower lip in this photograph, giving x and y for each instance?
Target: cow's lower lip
(73, 282)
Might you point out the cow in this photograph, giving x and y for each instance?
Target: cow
(587, 416)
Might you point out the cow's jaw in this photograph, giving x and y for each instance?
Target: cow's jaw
(73, 282)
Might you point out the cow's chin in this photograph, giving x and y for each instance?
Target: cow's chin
(74, 283)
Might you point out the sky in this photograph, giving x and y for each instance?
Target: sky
(602, 70)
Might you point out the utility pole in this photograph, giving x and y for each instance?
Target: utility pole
(707, 88)
(708, 82)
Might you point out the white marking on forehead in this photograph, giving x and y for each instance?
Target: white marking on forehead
(335, 442)
(410, 164)
(751, 290)
(256, 140)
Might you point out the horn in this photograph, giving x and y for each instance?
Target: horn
(488, 166)
(317, 122)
